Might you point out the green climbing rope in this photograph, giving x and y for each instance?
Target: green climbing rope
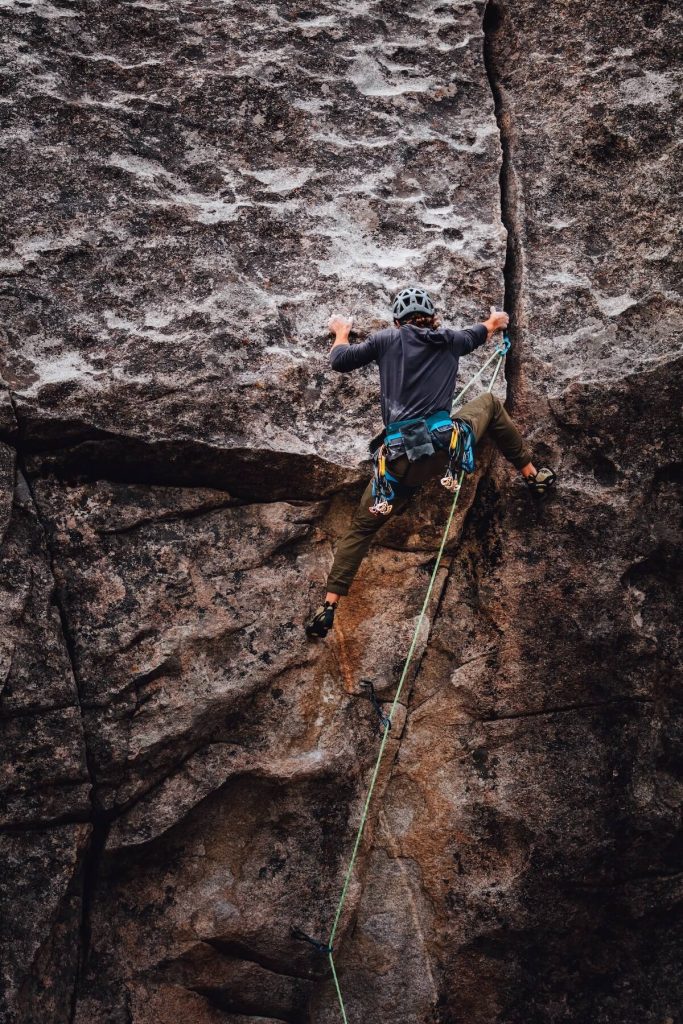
(499, 354)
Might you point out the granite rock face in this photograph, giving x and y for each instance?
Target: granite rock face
(190, 190)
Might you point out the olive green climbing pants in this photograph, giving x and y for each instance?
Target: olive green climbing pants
(484, 414)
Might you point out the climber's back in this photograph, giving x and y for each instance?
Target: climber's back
(418, 366)
(418, 360)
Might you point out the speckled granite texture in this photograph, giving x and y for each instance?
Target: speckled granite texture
(189, 190)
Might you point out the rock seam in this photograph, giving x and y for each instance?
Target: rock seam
(97, 819)
(514, 273)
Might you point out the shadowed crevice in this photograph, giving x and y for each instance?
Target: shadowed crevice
(251, 474)
(565, 709)
(510, 197)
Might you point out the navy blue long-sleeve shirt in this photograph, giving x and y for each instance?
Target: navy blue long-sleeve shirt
(418, 366)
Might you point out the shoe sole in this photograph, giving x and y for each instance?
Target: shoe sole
(312, 634)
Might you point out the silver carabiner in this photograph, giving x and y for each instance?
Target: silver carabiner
(380, 508)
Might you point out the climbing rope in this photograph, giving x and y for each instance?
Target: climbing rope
(386, 719)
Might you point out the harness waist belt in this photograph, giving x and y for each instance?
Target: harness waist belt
(433, 421)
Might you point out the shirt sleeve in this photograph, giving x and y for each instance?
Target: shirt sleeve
(345, 358)
(461, 343)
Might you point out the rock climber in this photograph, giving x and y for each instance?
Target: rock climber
(418, 367)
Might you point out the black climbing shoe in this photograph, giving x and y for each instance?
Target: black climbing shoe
(541, 482)
(323, 621)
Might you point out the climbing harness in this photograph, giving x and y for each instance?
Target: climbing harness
(416, 439)
(327, 949)
(413, 438)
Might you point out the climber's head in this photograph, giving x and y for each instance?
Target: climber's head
(413, 306)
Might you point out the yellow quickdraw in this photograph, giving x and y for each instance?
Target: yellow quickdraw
(449, 481)
(380, 506)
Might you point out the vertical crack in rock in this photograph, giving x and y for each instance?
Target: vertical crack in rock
(91, 866)
(513, 277)
(98, 818)
(510, 200)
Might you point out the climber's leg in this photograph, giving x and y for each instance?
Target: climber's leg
(351, 550)
(353, 547)
(487, 414)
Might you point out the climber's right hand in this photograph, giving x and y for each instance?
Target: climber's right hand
(497, 321)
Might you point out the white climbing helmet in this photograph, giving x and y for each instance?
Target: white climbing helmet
(412, 300)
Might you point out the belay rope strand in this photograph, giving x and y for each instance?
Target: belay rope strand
(498, 355)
